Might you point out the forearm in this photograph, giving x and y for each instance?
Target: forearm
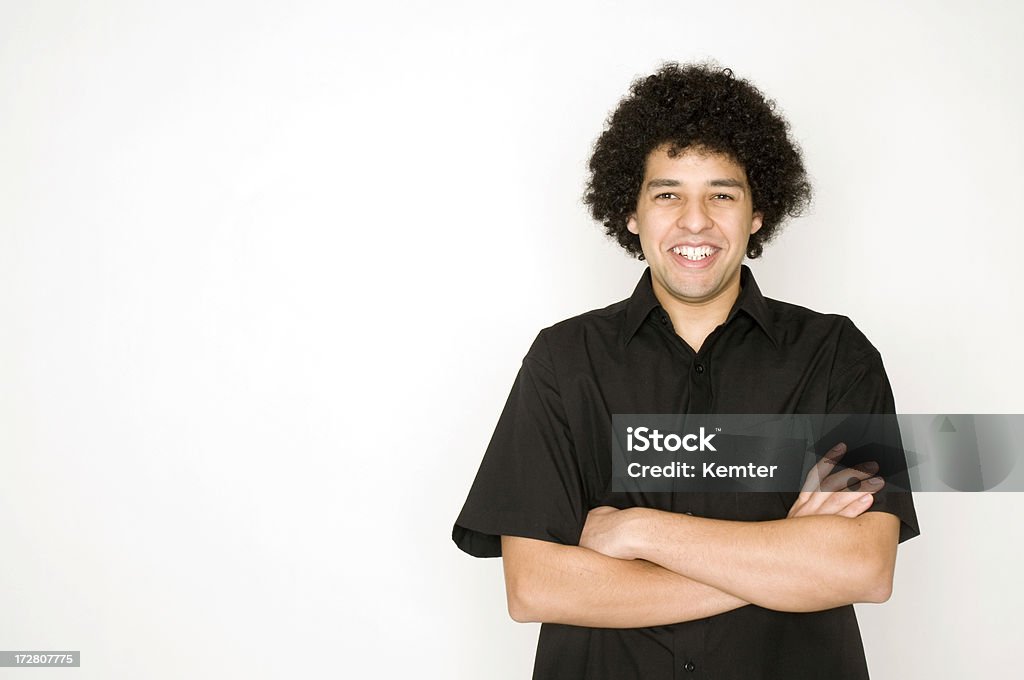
(797, 564)
(554, 583)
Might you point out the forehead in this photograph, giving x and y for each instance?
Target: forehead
(670, 161)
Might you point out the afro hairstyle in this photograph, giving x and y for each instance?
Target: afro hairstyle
(696, 106)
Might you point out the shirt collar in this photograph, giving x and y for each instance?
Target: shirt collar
(750, 301)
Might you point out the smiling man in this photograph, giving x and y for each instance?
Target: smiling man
(694, 172)
(694, 217)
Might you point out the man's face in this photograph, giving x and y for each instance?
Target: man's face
(694, 216)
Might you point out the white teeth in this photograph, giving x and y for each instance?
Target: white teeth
(691, 253)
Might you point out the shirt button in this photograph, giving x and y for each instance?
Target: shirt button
(664, 320)
(699, 368)
(689, 666)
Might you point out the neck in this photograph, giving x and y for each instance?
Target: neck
(694, 321)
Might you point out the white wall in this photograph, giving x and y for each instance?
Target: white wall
(267, 273)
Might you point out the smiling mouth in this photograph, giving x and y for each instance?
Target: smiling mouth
(695, 253)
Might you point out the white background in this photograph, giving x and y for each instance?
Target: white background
(267, 272)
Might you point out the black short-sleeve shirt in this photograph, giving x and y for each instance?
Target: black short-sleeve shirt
(548, 464)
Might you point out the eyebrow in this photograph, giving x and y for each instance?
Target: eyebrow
(658, 183)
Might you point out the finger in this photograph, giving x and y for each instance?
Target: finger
(849, 479)
(823, 468)
(857, 507)
(836, 502)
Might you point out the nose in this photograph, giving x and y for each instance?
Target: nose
(693, 216)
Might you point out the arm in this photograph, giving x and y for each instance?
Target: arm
(557, 583)
(575, 585)
(794, 564)
(826, 553)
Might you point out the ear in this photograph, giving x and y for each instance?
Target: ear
(755, 223)
(632, 225)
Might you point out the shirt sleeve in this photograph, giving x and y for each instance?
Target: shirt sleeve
(859, 385)
(529, 482)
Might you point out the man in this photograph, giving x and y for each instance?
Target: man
(694, 171)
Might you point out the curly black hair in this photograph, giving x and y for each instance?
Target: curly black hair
(696, 106)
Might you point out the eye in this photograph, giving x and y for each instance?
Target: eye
(726, 197)
(665, 195)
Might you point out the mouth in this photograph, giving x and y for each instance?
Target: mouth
(694, 257)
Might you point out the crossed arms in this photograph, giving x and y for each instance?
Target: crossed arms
(640, 567)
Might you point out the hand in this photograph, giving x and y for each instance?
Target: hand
(606, 532)
(846, 493)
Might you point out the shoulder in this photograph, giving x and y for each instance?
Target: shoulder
(570, 336)
(796, 325)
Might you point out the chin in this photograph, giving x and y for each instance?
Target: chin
(696, 294)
